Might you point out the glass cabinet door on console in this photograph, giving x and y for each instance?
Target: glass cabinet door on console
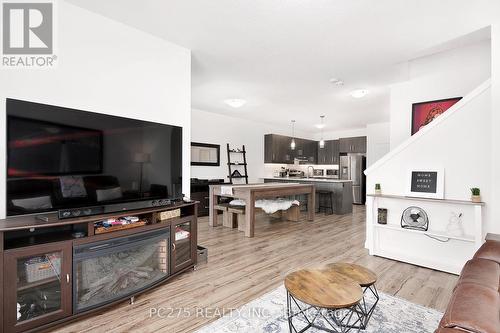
(37, 285)
(183, 247)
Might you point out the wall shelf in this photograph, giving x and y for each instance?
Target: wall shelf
(445, 201)
(439, 234)
(436, 248)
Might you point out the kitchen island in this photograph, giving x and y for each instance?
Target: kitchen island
(342, 190)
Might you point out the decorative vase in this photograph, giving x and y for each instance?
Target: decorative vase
(475, 198)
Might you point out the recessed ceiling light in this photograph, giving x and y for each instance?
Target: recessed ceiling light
(235, 102)
(359, 93)
(337, 82)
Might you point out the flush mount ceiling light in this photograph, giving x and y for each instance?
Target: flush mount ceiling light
(235, 102)
(359, 93)
(337, 82)
(320, 126)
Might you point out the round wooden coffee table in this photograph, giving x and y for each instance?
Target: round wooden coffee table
(366, 279)
(317, 294)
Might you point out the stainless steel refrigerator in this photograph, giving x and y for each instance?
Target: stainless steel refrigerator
(352, 167)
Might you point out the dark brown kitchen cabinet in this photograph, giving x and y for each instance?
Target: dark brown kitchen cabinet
(285, 153)
(37, 279)
(330, 153)
(335, 152)
(184, 237)
(312, 152)
(270, 148)
(306, 150)
(277, 149)
(322, 154)
(353, 145)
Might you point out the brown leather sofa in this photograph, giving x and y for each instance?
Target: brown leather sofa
(475, 304)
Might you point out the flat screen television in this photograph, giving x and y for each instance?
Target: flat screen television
(60, 158)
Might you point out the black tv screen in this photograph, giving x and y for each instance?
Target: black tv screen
(60, 158)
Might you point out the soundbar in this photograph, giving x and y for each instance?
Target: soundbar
(119, 207)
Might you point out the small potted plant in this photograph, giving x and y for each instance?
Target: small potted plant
(476, 194)
(378, 189)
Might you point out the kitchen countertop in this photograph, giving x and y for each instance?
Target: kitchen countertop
(320, 180)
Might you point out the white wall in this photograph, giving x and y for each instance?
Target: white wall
(495, 121)
(378, 141)
(334, 135)
(214, 128)
(107, 67)
(461, 144)
(452, 73)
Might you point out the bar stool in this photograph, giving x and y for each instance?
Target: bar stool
(325, 201)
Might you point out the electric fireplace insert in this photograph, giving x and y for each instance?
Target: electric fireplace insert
(109, 270)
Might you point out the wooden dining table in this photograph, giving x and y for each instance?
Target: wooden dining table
(251, 192)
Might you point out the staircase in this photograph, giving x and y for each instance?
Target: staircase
(458, 141)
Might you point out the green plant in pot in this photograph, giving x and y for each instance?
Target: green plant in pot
(378, 189)
(476, 194)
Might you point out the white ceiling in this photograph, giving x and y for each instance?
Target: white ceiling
(280, 54)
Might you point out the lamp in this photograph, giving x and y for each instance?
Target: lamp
(292, 144)
(322, 141)
(141, 158)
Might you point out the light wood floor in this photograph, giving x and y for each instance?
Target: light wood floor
(241, 269)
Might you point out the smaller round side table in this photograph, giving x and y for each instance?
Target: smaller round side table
(366, 279)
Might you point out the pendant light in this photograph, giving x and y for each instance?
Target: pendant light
(292, 144)
(322, 141)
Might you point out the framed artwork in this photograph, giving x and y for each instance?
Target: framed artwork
(426, 183)
(205, 154)
(425, 112)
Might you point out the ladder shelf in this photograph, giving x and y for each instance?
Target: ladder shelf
(234, 172)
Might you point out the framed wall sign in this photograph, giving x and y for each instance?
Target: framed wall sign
(425, 112)
(426, 183)
(205, 154)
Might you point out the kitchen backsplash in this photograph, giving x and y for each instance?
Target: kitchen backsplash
(269, 169)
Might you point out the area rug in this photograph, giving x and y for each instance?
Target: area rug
(268, 314)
